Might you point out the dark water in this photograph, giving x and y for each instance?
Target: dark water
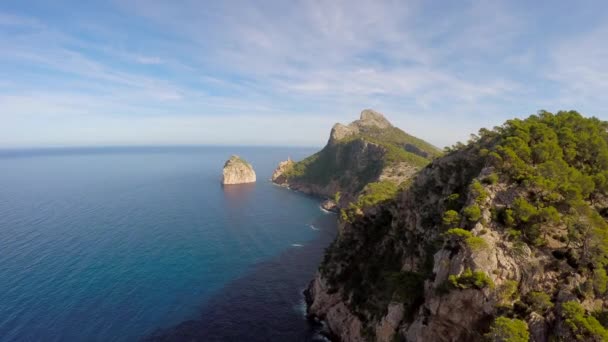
(122, 244)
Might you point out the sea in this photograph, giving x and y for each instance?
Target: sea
(144, 243)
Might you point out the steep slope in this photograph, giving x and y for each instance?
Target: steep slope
(367, 150)
(503, 239)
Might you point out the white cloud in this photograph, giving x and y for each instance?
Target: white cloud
(451, 67)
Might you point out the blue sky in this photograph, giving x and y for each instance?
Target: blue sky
(139, 72)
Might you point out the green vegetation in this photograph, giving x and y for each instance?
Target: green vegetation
(469, 279)
(538, 301)
(548, 175)
(585, 327)
(451, 218)
(377, 192)
(508, 330)
(562, 161)
(237, 159)
(472, 213)
(335, 162)
(478, 192)
(507, 292)
(491, 179)
(337, 197)
(475, 243)
(600, 281)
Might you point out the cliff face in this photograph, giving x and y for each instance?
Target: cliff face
(484, 243)
(365, 151)
(237, 171)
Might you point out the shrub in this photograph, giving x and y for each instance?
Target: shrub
(469, 279)
(585, 327)
(507, 291)
(508, 330)
(523, 210)
(337, 197)
(458, 233)
(506, 217)
(600, 280)
(539, 301)
(377, 192)
(479, 192)
(491, 179)
(475, 243)
(451, 218)
(472, 213)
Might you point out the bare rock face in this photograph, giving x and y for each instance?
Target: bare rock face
(369, 119)
(237, 171)
(372, 118)
(278, 176)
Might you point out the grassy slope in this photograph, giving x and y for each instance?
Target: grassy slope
(322, 167)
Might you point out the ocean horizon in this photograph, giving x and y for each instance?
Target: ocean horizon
(143, 242)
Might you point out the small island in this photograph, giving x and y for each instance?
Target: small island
(237, 171)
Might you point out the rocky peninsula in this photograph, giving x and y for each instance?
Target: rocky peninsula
(237, 171)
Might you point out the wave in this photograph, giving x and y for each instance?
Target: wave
(312, 226)
(296, 245)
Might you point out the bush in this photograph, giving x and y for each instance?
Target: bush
(523, 211)
(507, 291)
(600, 280)
(472, 213)
(451, 218)
(377, 192)
(585, 327)
(469, 279)
(491, 179)
(539, 301)
(508, 330)
(475, 243)
(479, 192)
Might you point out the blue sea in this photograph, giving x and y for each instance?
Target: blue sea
(125, 244)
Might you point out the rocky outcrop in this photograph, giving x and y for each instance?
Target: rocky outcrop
(237, 171)
(278, 176)
(329, 205)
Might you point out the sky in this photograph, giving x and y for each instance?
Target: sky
(152, 72)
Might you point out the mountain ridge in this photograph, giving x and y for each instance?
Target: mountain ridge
(367, 150)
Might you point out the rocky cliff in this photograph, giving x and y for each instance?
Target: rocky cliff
(365, 151)
(237, 171)
(502, 239)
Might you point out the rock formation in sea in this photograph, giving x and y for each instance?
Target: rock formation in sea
(237, 171)
(504, 238)
(367, 151)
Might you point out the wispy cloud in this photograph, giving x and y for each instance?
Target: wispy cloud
(465, 65)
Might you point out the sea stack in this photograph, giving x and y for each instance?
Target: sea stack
(237, 171)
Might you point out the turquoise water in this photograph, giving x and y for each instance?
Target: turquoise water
(116, 244)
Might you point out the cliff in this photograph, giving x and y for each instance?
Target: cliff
(502, 239)
(237, 171)
(368, 150)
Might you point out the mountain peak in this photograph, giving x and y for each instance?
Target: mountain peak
(370, 117)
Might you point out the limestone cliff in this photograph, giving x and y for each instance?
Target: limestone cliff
(483, 244)
(367, 150)
(237, 171)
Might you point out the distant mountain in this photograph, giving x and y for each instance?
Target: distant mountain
(366, 155)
